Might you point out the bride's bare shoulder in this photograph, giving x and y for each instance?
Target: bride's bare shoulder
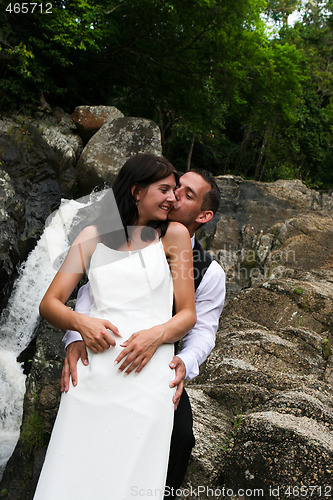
(87, 240)
(176, 233)
(88, 233)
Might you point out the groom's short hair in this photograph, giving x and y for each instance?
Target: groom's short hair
(212, 197)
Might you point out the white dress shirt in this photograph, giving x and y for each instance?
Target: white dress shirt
(198, 342)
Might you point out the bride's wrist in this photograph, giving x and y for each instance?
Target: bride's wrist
(78, 321)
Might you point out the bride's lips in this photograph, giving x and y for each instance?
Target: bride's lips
(166, 208)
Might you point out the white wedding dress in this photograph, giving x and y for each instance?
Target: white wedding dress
(111, 438)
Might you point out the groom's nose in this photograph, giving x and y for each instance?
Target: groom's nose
(176, 193)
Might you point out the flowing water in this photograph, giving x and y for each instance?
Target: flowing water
(21, 317)
(19, 320)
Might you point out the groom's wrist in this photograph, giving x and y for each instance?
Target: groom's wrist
(70, 337)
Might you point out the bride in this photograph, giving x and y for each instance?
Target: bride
(136, 273)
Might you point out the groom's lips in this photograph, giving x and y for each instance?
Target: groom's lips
(175, 206)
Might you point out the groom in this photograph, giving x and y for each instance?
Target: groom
(197, 200)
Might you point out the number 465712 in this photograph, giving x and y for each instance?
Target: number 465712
(29, 8)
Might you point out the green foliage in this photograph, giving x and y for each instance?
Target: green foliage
(296, 289)
(326, 349)
(32, 434)
(206, 71)
(45, 48)
(280, 10)
(298, 320)
(233, 431)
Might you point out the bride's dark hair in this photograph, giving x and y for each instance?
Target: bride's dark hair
(139, 171)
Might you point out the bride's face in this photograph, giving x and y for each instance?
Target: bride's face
(155, 201)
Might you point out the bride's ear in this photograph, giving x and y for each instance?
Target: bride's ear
(135, 191)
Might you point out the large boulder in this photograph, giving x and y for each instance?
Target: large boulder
(89, 119)
(260, 205)
(281, 451)
(271, 372)
(58, 130)
(111, 146)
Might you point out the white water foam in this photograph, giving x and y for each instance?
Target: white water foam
(12, 388)
(20, 318)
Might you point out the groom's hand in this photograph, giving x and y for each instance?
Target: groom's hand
(178, 365)
(74, 352)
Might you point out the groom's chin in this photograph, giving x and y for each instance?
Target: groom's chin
(172, 215)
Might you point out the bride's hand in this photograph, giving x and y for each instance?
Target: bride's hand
(139, 349)
(96, 333)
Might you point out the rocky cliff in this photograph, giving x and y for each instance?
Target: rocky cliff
(263, 407)
(263, 402)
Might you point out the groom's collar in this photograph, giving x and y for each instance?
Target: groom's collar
(193, 241)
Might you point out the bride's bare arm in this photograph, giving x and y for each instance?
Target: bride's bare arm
(141, 346)
(52, 307)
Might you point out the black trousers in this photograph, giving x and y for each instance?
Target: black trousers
(182, 442)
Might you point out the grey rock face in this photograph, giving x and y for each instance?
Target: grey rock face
(9, 254)
(268, 373)
(280, 450)
(59, 132)
(29, 193)
(111, 146)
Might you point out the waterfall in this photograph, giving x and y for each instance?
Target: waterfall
(19, 320)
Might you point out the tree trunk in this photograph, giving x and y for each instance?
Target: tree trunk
(189, 156)
(268, 134)
(243, 148)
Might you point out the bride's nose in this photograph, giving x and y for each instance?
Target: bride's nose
(171, 196)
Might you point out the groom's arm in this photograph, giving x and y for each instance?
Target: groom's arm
(83, 305)
(209, 301)
(199, 342)
(74, 345)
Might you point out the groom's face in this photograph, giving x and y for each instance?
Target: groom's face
(189, 199)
